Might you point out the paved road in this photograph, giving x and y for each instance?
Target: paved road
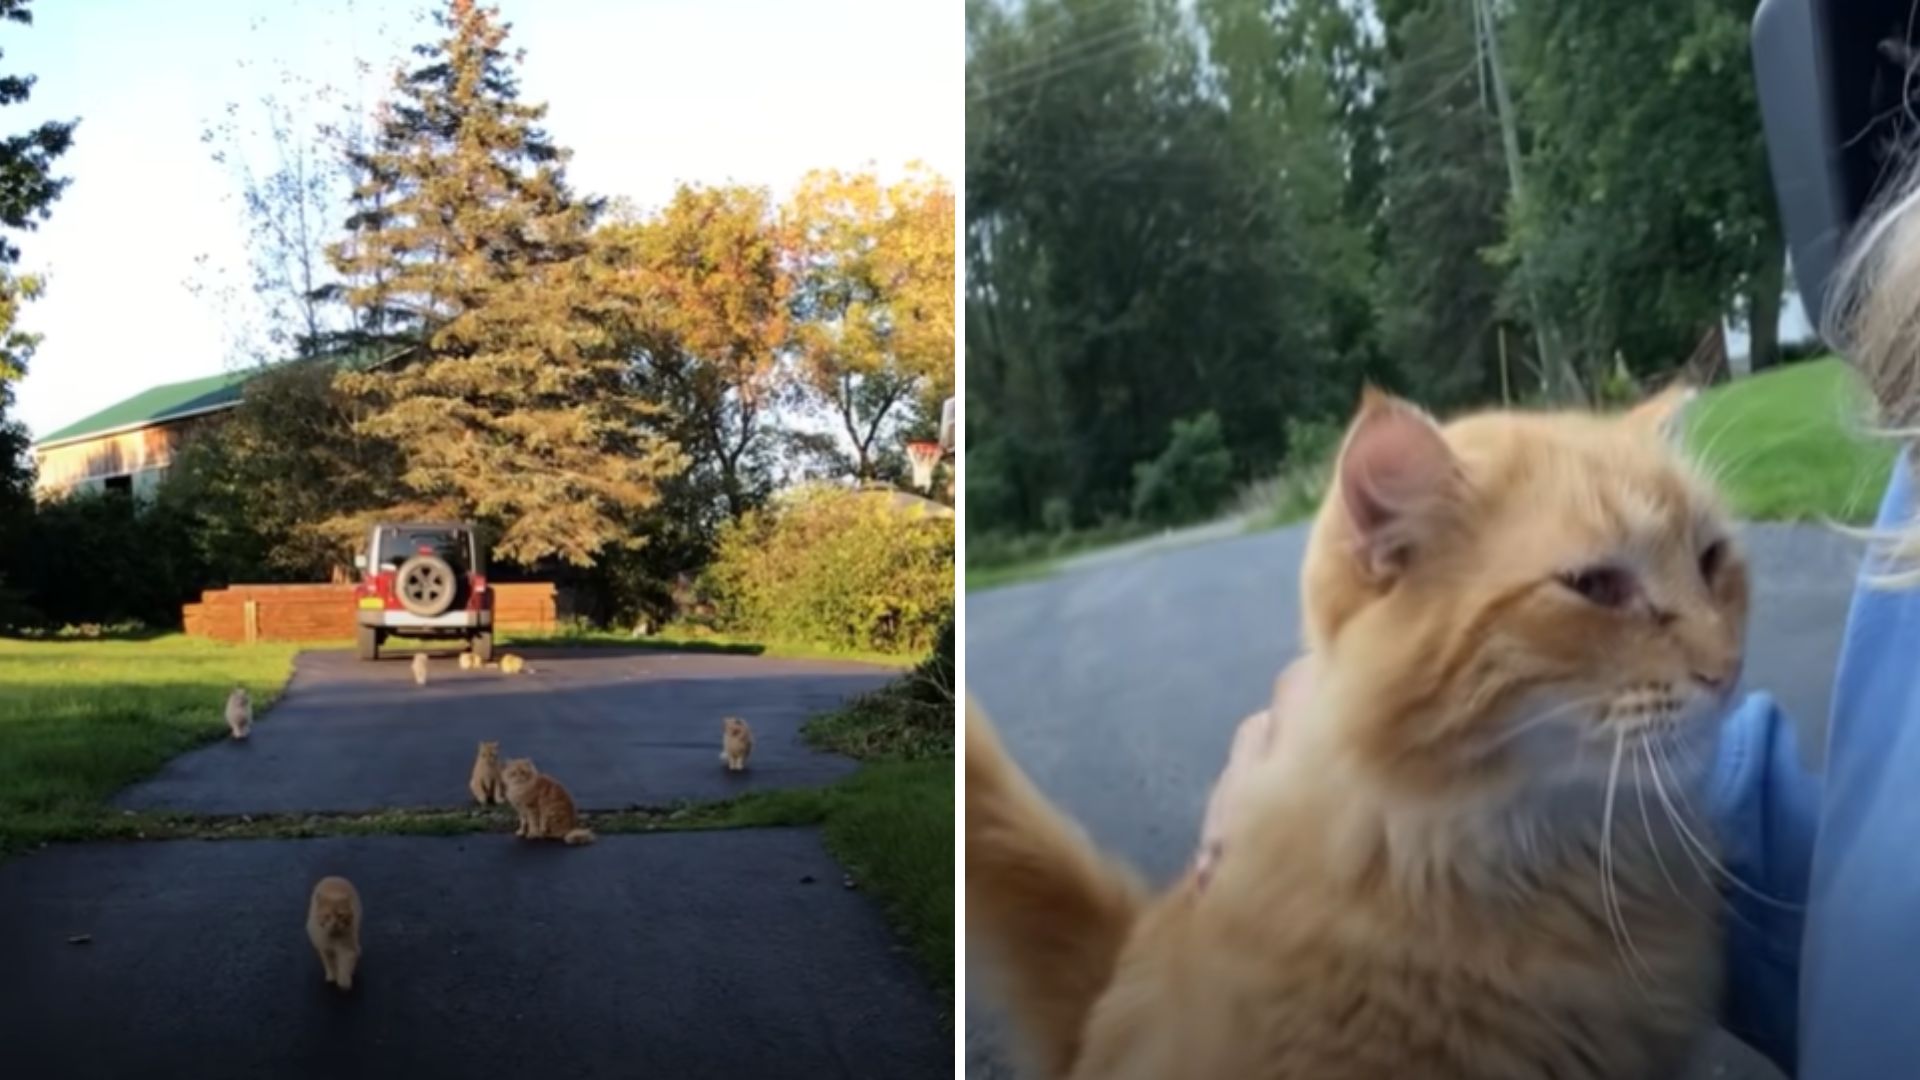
(1118, 683)
(682, 955)
(620, 728)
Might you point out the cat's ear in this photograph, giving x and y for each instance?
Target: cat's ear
(1395, 477)
(1660, 415)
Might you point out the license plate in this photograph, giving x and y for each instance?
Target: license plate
(372, 603)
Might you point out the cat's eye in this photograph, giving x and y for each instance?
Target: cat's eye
(1711, 559)
(1607, 586)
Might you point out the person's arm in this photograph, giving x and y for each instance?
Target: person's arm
(1765, 808)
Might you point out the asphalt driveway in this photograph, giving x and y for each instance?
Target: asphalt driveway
(620, 728)
(1118, 683)
(686, 955)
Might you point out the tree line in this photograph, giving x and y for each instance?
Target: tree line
(446, 328)
(1193, 230)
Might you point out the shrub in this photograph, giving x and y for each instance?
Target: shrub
(1190, 479)
(836, 568)
(103, 559)
(909, 719)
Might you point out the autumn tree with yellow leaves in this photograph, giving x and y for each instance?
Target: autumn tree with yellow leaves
(873, 270)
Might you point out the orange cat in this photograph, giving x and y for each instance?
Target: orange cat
(333, 925)
(512, 664)
(486, 783)
(736, 742)
(239, 713)
(1467, 856)
(546, 810)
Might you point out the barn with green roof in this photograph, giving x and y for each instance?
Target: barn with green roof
(128, 446)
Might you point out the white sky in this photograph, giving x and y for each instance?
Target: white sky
(646, 93)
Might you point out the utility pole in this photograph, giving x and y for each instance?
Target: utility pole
(1552, 365)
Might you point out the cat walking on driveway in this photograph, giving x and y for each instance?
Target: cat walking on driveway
(333, 925)
(239, 713)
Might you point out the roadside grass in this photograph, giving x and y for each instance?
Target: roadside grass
(981, 578)
(1792, 444)
(891, 823)
(996, 560)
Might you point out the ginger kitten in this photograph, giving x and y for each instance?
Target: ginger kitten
(514, 665)
(468, 661)
(239, 713)
(333, 925)
(736, 742)
(420, 669)
(486, 783)
(1525, 628)
(546, 810)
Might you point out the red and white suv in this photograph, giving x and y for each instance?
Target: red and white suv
(422, 580)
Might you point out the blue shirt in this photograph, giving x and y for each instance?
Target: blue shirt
(1824, 971)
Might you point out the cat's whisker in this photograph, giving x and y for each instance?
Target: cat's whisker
(1609, 888)
(1686, 849)
(1706, 852)
(1533, 723)
(1653, 842)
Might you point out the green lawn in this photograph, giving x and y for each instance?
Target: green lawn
(81, 719)
(1791, 445)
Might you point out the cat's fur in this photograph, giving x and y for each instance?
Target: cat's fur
(239, 713)
(736, 743)
(512, 664)
(333, 925)
(420, 668)
(486, 783)
(1443, 870)
(546, 810)
(468, 661)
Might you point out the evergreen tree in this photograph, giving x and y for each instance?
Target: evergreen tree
(516, 406)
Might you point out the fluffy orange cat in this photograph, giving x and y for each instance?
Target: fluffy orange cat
(546, 810)
(239, 713)
(1468, 853)
(333, 925)
(512, 664)
(486, 783)
(736, 743)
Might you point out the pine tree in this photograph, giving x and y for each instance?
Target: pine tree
(515, 406)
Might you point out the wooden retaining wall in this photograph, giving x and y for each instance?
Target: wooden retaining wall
(242, 613)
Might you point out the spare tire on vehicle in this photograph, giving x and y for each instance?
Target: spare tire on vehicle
(426, 585)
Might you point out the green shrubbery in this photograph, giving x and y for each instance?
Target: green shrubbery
(836, 568)
(909, 719)
(99, 559)
(1190, 478)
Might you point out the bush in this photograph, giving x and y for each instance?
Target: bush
(835, 568)
(909, 719)
(103, 559)
(1190, 479)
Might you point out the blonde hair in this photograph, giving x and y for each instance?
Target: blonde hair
(1872, 315)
